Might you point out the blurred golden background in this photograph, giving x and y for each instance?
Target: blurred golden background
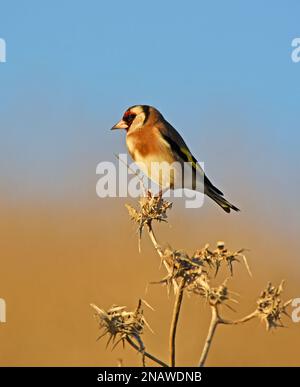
(56, 261)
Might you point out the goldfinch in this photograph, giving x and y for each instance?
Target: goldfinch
(152, 141)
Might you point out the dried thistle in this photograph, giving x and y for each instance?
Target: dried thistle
(191, 274)
(179, 267)
(120, 325)
(196, 270)
(150, 208)
(214, 295)
(270, 307)
(221, 255)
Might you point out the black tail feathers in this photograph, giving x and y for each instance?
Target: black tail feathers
(215, 194)
(221, 201)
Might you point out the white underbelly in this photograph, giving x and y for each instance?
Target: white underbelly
(168, 175)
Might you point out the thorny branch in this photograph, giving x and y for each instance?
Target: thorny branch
(147, 354)
(270, 309)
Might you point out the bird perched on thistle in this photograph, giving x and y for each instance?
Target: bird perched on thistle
(153, 142)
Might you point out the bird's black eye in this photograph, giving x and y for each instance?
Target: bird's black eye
(129, 117)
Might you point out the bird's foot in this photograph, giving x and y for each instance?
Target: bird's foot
(150, 195)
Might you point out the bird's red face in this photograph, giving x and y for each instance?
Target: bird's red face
(126, 121)
(129, 116)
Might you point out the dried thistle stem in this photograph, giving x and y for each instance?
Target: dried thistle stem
(146, 354)
(240, 321)
(215, 320)
(160, 252)
(175, 318)
(154, 240)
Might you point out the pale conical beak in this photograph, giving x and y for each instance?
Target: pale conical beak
(120, 125)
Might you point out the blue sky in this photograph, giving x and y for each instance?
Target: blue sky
(221, 72)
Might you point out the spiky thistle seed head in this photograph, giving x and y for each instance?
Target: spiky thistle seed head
(270, 307)
(196, 270)
(218, 295)
(150, 208)
(215, 296)
(119, 324)
(217, 257)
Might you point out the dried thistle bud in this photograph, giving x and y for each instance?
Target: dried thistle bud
(220, 245)
(215, 259)
(219, 295)
(195, 270)
(150, 208)
(180, 266)
(120, 325)
(270, 307)
(214, 295)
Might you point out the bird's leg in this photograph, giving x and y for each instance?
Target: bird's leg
(149, 194)
(159, 195)
(161, 192)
